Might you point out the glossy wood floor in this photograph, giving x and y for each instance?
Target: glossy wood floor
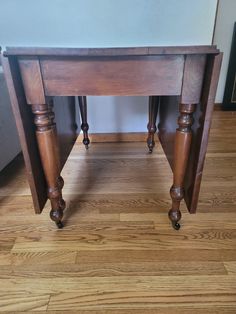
(118, 253)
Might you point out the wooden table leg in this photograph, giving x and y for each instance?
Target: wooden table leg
(152, 128)
(48, 149)
(181, 154)
(84, 125)
(57, 153)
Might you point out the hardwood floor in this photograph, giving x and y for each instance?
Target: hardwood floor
(118, 253)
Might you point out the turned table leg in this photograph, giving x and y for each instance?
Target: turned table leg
(153, 109)
(48, 148)
(57, 153)
(84, 125)
(181, 153)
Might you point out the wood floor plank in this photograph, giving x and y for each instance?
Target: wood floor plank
(230, 267)
(23, 301)
(5, 258)
(138, 256)
(201, 309)
(147, 292)
(60, 269)
(199, 221)
(145, 240)
(6, 243)
(228, 255)
(21, 228)
(43, 258)
(191, 286)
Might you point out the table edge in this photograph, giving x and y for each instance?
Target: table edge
(117, 51)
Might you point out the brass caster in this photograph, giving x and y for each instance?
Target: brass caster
(59, 224)
(176, 225)
(150, 146)
(86, 142)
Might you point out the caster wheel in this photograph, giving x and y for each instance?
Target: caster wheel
(59, 224)
(176, 225)
(86, 142)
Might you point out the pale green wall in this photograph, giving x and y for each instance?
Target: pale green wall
(104, 23)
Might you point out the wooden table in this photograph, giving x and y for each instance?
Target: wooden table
(183, 79)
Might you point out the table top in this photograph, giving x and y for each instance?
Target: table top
(141, 51)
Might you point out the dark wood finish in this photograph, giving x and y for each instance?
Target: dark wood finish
(24, 123)
(84, 125)
(32, 80)
(183, 138)
(188, 74)
(126, 51)
(66, 126)
(66, 122)
(152, 128)
(184, 50)
(52, 126)
(229, 100)
(48, 149)
(201, 127)
(123, 76)
(168, 115)
(193, 75)
(194, 70)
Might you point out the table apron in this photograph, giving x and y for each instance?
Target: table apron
(123, 76)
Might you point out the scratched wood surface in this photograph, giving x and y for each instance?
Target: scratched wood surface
(118, 253)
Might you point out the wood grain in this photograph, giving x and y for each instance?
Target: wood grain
(144, 73)
(194, 70)
(116, 137)
(26, 133)
(32, 80)
(27, 51)
(168, 112)
(127, 76)
(117, 254)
